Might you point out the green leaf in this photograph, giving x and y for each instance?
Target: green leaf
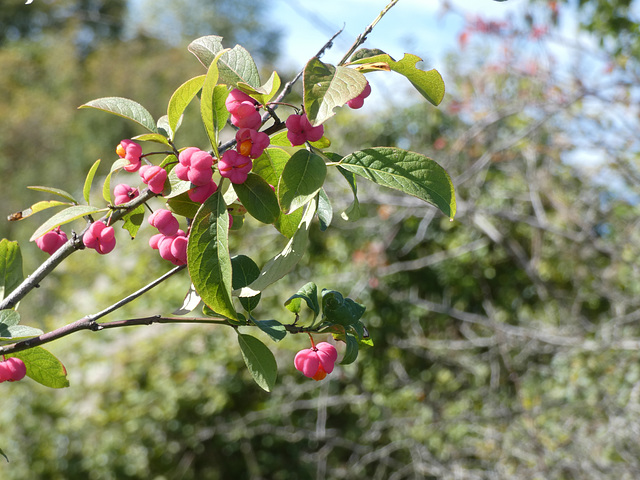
(43, 367)
(152, 137)
(54, 191)
(325, 210)
(273, 328)
(258, 198)
(181, 98)
(285, 261)
(236, 65)
(287, 224)
(263, 93)
(208, 255)
(408, 172)
(163, 126)
(327, 87)
(11, 274)
(337, 309)
(183, 205)
(259, 360)
(351, 352)
(207, 108)
(308, 293)
(352, 213)
(133, 220)
(245, 271)
(65, 216)
(17, 333)
(106, 187)
(86, 191)
(301, 179)
(271, 164)
(35, 208)
(123, 107)
(8, 318)
(428, 83)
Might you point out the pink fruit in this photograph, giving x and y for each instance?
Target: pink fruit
(131, 151)
(251, 143)
(123, 193)
(200, 193)
(164, 221)
(300, 130)
(316, 362)
(100, 238)
(12, 369)
(51, 241)
(154, 177)
(234, 166)
(359, 100)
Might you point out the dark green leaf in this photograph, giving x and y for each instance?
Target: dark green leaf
(351, 353)
(327, 87)
(208, 255)
(245, 271)
(409, 172)
(259, 360)
(183, 205)
(11, 273)
(126, 108)
(258, 198)
(273, 328)
(301, 179)
(337, 309)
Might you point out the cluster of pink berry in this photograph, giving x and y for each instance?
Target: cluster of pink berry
(171, 242)
(12, 369)
(316, 362)
(250, 143)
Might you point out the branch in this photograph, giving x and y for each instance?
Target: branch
(90, 321)
(363, 36)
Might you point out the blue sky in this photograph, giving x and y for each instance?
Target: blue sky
(412, 26)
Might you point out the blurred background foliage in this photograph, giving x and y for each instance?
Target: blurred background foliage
(506, 341)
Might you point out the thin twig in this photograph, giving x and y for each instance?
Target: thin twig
(363, 36)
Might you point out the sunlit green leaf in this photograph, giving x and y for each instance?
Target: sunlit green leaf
(152, 137)
(35, 208)
(106, 187)
(126, 108)
(265, 92)
(54, 191)
(327, 87)
(65, 216)
(325, 210)
(86, 191)
(428, 83)
(181, 98)
(133, 220)
(43, 367)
